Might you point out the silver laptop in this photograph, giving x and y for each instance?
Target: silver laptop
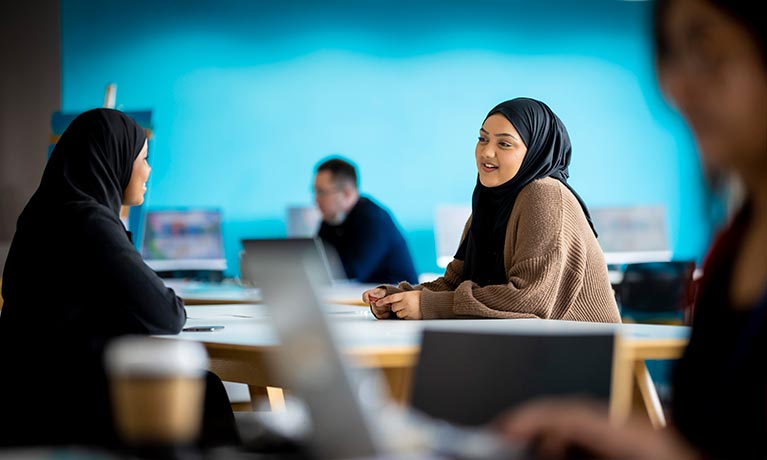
(322, 257)
(344, 423)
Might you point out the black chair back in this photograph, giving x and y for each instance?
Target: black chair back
(656, 287)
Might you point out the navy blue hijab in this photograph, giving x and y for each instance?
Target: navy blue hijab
(548, 155)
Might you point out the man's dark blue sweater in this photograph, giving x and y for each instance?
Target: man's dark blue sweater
(370, 246)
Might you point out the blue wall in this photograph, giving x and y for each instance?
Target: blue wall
(247, 96)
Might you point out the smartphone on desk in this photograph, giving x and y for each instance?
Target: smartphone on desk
(202, 328)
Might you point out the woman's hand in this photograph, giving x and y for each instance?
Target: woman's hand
(406, 305)
(371, 296)
(560, 426)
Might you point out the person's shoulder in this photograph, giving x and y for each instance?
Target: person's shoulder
(545, 186)
(90, 211)
(546, 191)
(539, 204)
(94, 221)
(371, 212)
(368, 202)
(372, 207)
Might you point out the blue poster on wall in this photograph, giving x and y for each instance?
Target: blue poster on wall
(133, 217)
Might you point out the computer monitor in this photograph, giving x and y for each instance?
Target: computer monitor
(303, 221)
(632, 234)
(183, 239)
(449, 222)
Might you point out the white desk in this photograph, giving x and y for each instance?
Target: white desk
(200, 293)
(238, 352)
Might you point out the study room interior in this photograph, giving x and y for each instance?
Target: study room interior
(241, 100)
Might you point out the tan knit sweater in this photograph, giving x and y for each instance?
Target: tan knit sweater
(556, 269)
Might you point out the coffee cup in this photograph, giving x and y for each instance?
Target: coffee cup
(157, 386)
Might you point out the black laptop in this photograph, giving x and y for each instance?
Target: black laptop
(470, 378)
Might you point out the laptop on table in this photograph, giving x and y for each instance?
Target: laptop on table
(322, 257)
(471, 377)
(345, 424)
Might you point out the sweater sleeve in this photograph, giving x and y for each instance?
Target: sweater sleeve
(448, 282)
(540, 276)
(139, 302)
(527, 295)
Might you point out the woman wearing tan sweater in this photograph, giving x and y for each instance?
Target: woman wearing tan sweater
(529, 250)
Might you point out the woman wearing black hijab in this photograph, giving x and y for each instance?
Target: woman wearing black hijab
(529, 249)
(72, 281)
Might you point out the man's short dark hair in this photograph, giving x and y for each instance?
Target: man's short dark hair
(341, 170)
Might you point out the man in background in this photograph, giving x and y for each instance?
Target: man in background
(368, 242)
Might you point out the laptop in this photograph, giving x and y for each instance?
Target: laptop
(351, 413)
(323, 257)
(494, 372)
(183, 239)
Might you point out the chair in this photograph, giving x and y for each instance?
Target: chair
(470, 378)
(657, 292)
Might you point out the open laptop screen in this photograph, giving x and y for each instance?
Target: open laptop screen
(321, 255)
(183, 239)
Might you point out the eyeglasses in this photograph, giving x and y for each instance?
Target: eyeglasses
(320, 192)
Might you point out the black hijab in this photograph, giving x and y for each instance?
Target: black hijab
(548, 155)
(91, 163)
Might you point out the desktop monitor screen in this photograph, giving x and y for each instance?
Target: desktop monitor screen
(303, 221)
(632, 234)
(449, 223)
(187, 239)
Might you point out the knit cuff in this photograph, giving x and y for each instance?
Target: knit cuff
(437, 304)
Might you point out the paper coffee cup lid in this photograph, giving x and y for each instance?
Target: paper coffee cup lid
(144, 355)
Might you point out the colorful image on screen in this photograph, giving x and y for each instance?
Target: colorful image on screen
(183, 240)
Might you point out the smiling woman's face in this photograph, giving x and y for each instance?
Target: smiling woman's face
(499, 152)
(134, 193)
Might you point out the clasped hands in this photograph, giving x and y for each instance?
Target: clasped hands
(405, 305)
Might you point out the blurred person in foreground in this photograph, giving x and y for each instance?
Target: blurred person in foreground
(712, 66)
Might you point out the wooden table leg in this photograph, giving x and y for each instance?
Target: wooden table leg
(622, 386)
(649, 395)
(398, 379)
(275, 396)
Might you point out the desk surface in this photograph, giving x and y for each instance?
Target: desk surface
(358, 332)
(200, 293)
(240, 352)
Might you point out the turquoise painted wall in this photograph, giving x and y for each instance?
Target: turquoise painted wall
(247, 96)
